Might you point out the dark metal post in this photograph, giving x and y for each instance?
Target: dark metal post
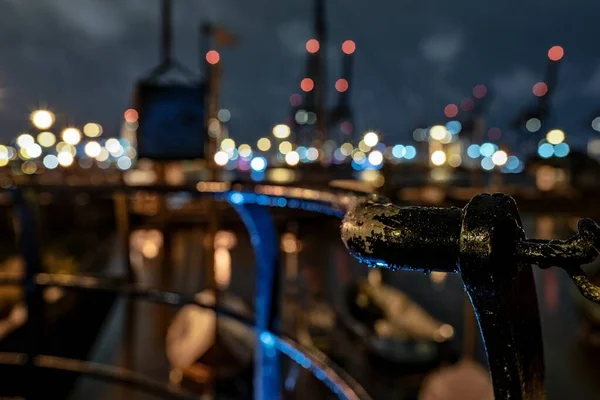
(28, 239)
(486, 244)
(166, 30)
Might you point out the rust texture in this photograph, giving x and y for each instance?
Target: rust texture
(486, 244)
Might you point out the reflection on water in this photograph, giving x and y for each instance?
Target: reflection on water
(224, 242)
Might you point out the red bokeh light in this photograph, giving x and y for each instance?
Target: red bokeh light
(295, 100)
(494, 133)
(312, 46)
(348, 47)
(479, 91)
(212, 57)
(556, 53)
(540, 89)
(346, 127)
(307, 84)
(451, 110)
(467, 104)
(341, 85)
(131, 115)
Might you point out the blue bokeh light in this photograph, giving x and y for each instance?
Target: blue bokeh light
(561, 150)
(546, 150)
(473, 151)
(410, 152)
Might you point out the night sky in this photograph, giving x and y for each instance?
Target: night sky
(81, 58)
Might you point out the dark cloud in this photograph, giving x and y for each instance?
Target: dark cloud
(82, 57)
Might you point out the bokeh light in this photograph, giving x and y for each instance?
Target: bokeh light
(258, 164)
(500, 158)
(561, 150)
(454, 160)
(438, 157)
(479, 91)
(292, 158)
(556, 53)
(371, 139)
(540, 89)
(212, 57)
(281, 131)
(348, 47)
(555, 136)
(263, 144)
(546, 150)
(533, 125)
(50, 161)
(227, 144)
(24, 140)
(131, 115)
(312, 46)
(42, 119)
(438, 132)
(451, 110)
(341, 85)
(473, 151)
(92, 149)
(92, 129)
(285, 147)
(375, 158)
(307, 84)
(65, 158)
(221, 158)
(71, 136)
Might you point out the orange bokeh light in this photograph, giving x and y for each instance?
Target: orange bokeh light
(131, 115)
(312, 46)
(540, 89)
(212, 57)
(341, 85)
(451, 110)
(556, 53)
(307, 84)
(348, 47)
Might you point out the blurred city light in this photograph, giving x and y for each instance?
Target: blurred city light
(212, 57)
(131, 115)
(500, 158)
(245, 151)
(71, 136)
(561, 150)
(540, 89)
(371, 139)
(307, 84)
(292, 158)
(50, 161)
(263, 144)
(348, 47)
(479, 91)
(556, 53)
(487, 149)
(487, 163)
(438, 157)
(92, 149)
(285, 147)
(398, 151)
(451, 110)
(438, 132)
(341, 85)
(454, 160)
(103, 156)
(375, 158)
(25, 140)
(227, 144)
(46, 139)
(410, 152)
(312, 46)
(555, 136)
(221, 158)
(224, 115)
(454, 127)
(473, 151)
(281, 131)
(91, 129)
(65, 159)
(533, 125)
(312, 154)
(124, 163)
(258, 164)
(546, 150)
(42, 119)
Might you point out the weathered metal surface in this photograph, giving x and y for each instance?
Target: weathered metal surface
(486, 244)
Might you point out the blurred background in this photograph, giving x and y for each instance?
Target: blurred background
(426, 103)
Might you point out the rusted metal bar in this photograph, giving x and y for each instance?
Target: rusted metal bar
(484, 242)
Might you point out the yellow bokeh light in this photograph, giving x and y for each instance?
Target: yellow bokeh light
(42, 119)
(371, 139)
(281, 131)
(285, 147)
(92, 129)
(3, 162)
(103, 156)
(65, 159)
(455, 160)
(245, 150)
(555, 136)
(93, 149)
(46, 139)
(227, 144)
(221, 158)
(438, 157)
(263, 144)
(499, 158)
(362, 146)
(346, 149)
(438, 132)
(67, 148)
(24, 140)
(292, 158)
(71, 136)
(29, 167)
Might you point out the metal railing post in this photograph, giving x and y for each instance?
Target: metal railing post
(264, 240)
